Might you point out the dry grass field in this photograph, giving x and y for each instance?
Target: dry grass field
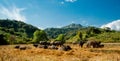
(111, 52)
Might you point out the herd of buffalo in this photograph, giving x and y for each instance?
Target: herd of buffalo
(58, 45)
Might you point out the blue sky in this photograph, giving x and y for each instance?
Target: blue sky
(58, 13)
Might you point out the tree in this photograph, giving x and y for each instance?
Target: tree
(12, 39)
(60, 38)
(107, 29)
(80, 35)
(3, 41)
(39, 35)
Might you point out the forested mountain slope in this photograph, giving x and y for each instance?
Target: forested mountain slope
(14, 31)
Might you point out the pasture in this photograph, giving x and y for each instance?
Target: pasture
(110, 52)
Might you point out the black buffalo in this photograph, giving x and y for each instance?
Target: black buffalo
(35, 45)
(43, 46)
(53, 47)
(23, 47)
(81, 43)
(94, 44)
(64, 48)
(44, 43)
(17, 46)
(57, 43)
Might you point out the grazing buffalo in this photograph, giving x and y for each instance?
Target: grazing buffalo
(43, 46)
(23, 47)
(44, 43)
(101, 46)
(64, 48)
(81, 43)
(94, 44)
(57, 43)
(68, 47)
(35, 45)
(53, 47)
(17, 46)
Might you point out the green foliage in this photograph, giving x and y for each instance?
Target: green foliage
(39, 35)
(3, 41)
(16, 32)
(93, 33)
(54, 32)
(60, 38)
(107, 37)
(79, 36)
(17, 27)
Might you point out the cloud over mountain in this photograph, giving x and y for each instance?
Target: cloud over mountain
(12, 12)
(115, 25)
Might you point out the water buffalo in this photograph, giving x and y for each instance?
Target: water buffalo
(17, 46)
(81, 43)
(35, 45)
(44, 43)
(43, 46)
(53, 47)
(68, 47)
(57, 43)
(64, 48)
(94, 44)
(23, 47)
(101, 46)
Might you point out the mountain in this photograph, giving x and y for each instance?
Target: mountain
(72, 33)
(16, 31)
(13, 26)
(73, 25)
(54, 32)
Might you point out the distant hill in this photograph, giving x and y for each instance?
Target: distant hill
(54, 32)
(73, 25)
(72, 33)
(16, 32)
(17, 27)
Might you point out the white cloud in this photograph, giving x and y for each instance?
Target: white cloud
(62, 2)
(115, 25)
(84, 22)
(59, 26)
(12, 13)
(70, 0)
(73, 22)
(40, 28)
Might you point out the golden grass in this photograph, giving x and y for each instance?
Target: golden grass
(8, 53)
